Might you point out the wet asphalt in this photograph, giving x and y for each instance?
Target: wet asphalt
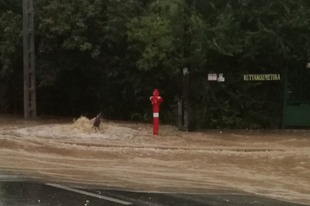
(30, 193)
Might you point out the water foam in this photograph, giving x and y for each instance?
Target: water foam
(80, 128)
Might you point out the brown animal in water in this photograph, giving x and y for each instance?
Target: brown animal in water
(97, 122)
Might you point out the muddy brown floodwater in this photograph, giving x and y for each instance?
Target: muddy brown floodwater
(128, 156)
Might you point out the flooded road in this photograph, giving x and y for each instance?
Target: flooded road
(127, 156)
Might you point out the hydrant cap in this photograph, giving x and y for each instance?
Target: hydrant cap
(156, 93)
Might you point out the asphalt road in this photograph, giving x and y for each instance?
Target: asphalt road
(29, 193)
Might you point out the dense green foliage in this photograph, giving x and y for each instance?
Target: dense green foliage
(109, 55)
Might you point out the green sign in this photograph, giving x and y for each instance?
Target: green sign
(261, 77)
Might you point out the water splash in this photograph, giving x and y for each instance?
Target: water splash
(81, 128)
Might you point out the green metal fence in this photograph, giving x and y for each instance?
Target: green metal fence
(296, 110)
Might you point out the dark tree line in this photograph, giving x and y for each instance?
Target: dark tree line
(109, 55)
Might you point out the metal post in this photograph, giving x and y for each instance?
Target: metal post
(30, 108)
(285, 96)
(186, 98)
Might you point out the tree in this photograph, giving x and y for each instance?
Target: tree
(109, 55)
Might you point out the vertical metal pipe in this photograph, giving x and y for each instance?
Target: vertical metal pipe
(285, 96)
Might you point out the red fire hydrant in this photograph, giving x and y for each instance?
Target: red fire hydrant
(156, 100)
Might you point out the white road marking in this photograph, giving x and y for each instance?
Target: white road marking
(189, 193)
(90, 194)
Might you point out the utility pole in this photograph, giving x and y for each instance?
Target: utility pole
(186, 65)
(30, 107)
(187, 114)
